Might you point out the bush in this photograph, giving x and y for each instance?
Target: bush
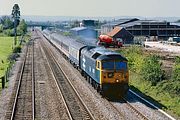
(152, 70)
(135, 58)
(66, 33)
(176, 70)
(17, 49)
(172, 87)
(8, 32)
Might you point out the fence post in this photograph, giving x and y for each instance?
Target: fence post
(3, 82)
(6, 75)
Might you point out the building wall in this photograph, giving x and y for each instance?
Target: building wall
(106, 29)
(161, 29)
(155, 30)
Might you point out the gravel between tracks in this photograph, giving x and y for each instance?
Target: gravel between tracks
(49, 104)
(149, 111)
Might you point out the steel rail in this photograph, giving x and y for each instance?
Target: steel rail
(135, 110)
(19, 85)
(160, 110)
(78, 96)
(18, 88)
(63, 99)
(33, 83)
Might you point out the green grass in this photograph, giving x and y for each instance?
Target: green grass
(170, 101)
(5, 50)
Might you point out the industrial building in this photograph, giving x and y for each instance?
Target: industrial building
(137, 27)
(84, 32)
(119, 33)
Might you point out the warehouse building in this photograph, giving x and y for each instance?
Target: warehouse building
(138, 27)
(121, 34)
(84, 32)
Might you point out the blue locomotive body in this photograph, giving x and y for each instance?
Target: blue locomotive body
(88, 64)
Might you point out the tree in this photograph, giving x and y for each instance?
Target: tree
(7, 23)
(22, 27)
(16, 16)
(1, 28)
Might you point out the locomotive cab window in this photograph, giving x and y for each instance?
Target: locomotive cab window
(96, 55)
(108, 65)
(120, 65)
(98, 64)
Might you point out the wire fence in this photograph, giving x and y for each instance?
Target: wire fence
(5, 78)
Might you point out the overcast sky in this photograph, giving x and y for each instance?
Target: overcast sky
(144, 8)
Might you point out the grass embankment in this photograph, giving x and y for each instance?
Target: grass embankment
(5, 50)
(6, 44)
(165, 91)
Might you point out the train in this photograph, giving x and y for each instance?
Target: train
(106, 70)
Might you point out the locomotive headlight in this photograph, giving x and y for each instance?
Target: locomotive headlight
(117, 80)
(110, 75)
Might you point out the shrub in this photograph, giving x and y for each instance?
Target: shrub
(135, 58)
(151, 70)
(17, 49)
(176, 70)
(172, 87)
(67, 34)
(8, 32)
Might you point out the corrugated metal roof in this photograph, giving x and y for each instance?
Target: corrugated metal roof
(114, 31)
(120, 21)
(178, 24)
(131, 22)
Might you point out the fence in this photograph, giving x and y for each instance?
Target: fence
(5, 78)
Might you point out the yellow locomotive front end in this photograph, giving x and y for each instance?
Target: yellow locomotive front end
(114, 77)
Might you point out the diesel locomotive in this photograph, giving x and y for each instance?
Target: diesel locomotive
(105, 70)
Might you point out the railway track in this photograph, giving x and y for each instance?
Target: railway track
(22, 101)
(138, 113)
(130, 107)
(72, 100)
(167, 116)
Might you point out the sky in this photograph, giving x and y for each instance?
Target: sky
(94, 8)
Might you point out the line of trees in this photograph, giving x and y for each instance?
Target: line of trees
(7, 25)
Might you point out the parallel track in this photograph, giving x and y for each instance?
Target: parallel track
(152, 105)
(22, 101)
(139, 114)
(135, 110)
(75, 106)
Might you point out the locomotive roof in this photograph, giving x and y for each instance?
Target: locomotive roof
(101, 53)
(112, 57)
